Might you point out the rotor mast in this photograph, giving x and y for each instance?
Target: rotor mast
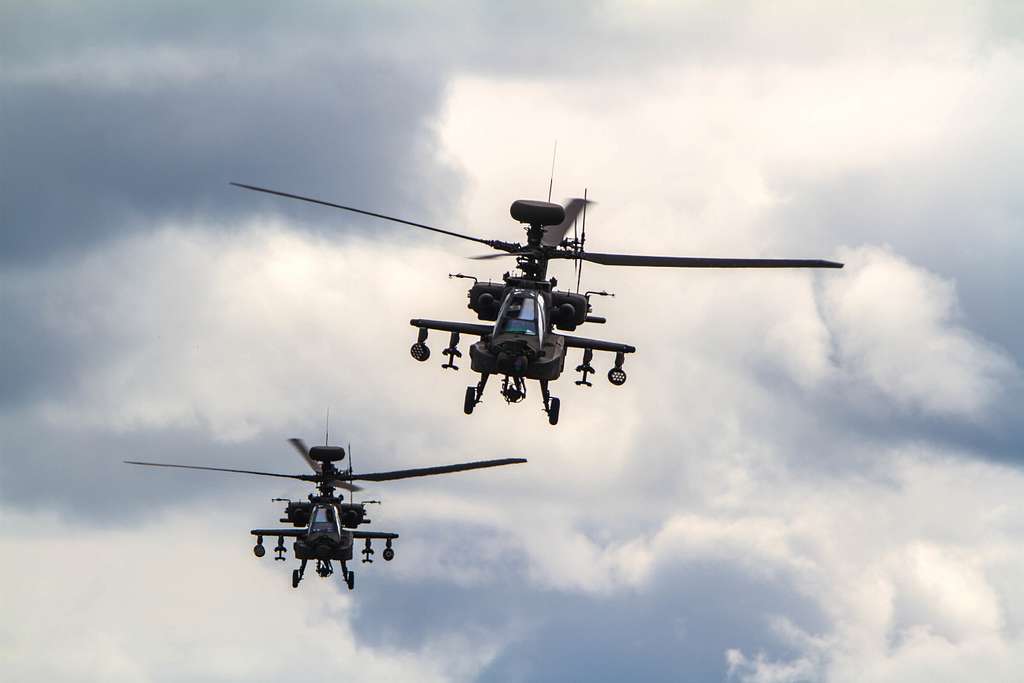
(534, 263)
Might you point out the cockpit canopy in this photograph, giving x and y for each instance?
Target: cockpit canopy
(324, 520)
(522, 313)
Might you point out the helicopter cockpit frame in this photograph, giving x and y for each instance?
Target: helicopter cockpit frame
(323, 520)
(523, 313)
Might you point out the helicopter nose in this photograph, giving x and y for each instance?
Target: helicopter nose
(323, 546)
(512, 364)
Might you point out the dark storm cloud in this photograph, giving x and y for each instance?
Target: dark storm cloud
(113, 123)
(92, 164)
(116, 116)
(36, 358)
(678, 627)
(80, 474)
(119, 115)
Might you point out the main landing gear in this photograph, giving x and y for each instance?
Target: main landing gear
(297, 574)
(348, 576)
(323, 570)
(551, 403)
(513, 390)
(475, 394)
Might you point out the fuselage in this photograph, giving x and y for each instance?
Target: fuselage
(522, 343)
(325, 538)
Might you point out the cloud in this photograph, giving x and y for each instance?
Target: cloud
(138, 613)
(800, 480)
(646, 515)
(897, 330)
(118, 137)
(909, 598)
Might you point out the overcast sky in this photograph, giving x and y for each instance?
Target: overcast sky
(809, 476)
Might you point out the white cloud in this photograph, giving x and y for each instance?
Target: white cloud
(908, 586)
(235, 334)
(892, 572)
(183, 598)
(897, 328)
(735, 445)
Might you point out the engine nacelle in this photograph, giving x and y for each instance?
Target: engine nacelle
(352, 515)
(297, 514)
(568, 310)
(485, 300)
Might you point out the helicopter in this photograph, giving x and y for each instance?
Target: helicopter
(325, 526)
(525, 309)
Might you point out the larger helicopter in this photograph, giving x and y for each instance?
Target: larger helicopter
(325, 526)
(526, 307)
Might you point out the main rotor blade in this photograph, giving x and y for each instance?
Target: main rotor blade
(427, 471)
(487, 257)
(313, 200)
(698, 262)
(337, 483)
(300, 446)
(553, 234)
(302, 477)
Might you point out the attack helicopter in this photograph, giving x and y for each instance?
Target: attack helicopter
(325, 526)
(526, 308)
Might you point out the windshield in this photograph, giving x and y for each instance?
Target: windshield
(520, 316)
(324, 520)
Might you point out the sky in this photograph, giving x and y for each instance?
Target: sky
(808, 477)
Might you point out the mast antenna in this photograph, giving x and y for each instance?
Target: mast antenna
(551, 182)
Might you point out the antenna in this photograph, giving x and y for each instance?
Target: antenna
(551, 182)
(351, 494)
(583, 240)
(327, 428)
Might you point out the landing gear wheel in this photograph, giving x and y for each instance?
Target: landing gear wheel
(295, 578)
(388, 554)
(350, 579)
(553, 408)
(470, 400)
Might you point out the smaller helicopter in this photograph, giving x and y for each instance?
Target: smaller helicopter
(324, 526)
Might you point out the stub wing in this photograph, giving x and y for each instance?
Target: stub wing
(597, 345)
(382, 535)
(294, 533)
(446, 326)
